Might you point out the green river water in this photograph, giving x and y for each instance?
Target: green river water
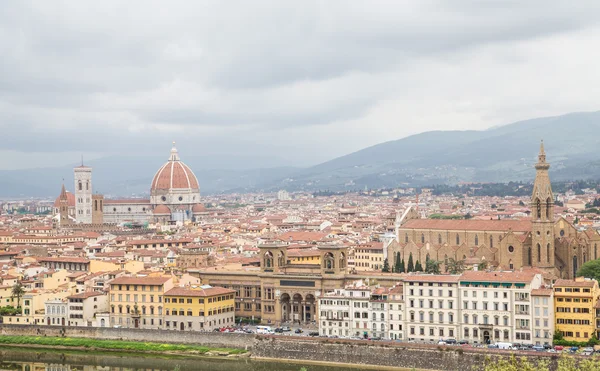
(38, 360)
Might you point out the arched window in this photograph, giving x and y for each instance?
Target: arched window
(510, 265)
(548, 252)
(595, 251)
(548, 208)
(575, 267)
(268, 260)
(529, 255)
(440, 239)
(79, 185)
(446, 259)
(539, 252)
(491, 242)
(538, 206)
(427, 258)
(87, 185)
(457, 239)
(422, 238)
(476, 240)
(584, 258)
(406, 238)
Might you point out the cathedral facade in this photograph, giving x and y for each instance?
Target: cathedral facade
(553, 245)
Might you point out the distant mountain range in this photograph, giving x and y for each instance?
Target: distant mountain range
(499, 154)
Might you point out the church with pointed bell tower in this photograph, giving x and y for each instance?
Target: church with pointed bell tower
(542, 215)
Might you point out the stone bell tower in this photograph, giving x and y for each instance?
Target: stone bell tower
(541, 253)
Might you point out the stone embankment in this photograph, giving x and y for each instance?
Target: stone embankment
(337, 351)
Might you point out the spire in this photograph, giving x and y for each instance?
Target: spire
(542, 164)
(174, 154)
(63, 192)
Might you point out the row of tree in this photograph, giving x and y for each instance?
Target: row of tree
(452, 266)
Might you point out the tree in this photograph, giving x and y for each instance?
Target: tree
(411, 266)
(401, 269)
(386, 266)
(557, 335)
(590, 269)
(494, 206)
(482, 266)
(455, 266)
(468, 216)
(521, 203)
(397, 263)
(576, 221)
(418, 267)
(432, 266)
(18, 292)
(559, 203)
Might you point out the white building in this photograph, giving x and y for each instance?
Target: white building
(543, 316)
(497, 306)
(431, 307)
(283, 195)
(396, 311)
(83, 194)
(56, 312)
(82, 308)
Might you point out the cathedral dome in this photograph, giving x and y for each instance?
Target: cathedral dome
(174, 174)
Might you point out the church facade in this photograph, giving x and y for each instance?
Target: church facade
(553, 245)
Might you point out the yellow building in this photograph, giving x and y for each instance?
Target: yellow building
(574, 312)
(137, 302)
(306, 256)
(199, 308)
(132, 266)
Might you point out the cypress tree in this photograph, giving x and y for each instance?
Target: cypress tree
(411, 266)
(386, 266)
(418, 267)
(401, 269)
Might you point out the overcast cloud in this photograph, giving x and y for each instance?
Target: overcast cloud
(306, 81)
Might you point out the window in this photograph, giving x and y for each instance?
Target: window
(511, 248)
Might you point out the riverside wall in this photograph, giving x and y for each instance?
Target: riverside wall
(209, 339)
(337, 351)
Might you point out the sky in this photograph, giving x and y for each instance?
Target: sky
(277, 83)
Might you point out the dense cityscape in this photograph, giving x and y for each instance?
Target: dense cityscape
(407, 265)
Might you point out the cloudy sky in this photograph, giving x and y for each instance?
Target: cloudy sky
(290, 82)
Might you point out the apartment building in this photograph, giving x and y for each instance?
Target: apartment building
(396, 312)
(345, 312)
(543, 316)
(379, 311)
(83, 307)
(574, 308)
(497, 306)
(137, 302)
(431, 307)
(199, 308)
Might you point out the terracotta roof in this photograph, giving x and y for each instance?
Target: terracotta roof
(139, 280)
(431, 278)
(541, 292)
(573, 283)
(180, 291)
(64, 260)
(70, 200)
(127, 201)
(525, 276)
(85, 295)
(469, 225)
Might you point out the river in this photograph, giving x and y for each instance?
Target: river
(36, 360)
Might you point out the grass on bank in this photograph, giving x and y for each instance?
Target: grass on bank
(137, 346)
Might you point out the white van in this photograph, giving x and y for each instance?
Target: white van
(264, 330)
(504, 345)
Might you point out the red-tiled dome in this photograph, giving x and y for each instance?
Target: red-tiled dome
(162, 209)
(70, 199)
(198, 208)
(174, 175)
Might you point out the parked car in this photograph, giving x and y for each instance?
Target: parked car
(450, 341)
(286, 328)
(538, 348)
(298, 331)
(313, 333)
(279, 330)
(463, 342)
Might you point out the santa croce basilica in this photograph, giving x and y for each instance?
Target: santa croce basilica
(554, 246)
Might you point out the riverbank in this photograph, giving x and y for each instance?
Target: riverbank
(116, 345)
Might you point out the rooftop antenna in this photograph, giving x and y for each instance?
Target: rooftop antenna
(82, 159)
